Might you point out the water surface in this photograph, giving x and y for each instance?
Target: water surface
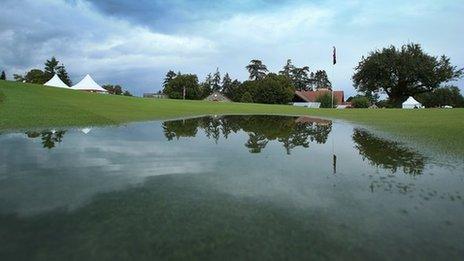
(234, 187)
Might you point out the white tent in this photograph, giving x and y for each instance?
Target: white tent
(55, 81)
(411, 103)
(88, 84)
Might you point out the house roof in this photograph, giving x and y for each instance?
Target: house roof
(311, 96)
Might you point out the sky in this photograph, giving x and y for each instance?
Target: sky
(134, 43)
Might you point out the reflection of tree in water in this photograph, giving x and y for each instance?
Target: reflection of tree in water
(49, 138)
(388, 154)
(256, 142)
(290, 131)
(180, 128)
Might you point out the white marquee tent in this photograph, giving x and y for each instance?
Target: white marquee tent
(411, 103)
(88, 84)
(55, 81)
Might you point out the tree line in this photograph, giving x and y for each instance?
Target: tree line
(396, 72)
(261, 87)
(39, 76)
(52, 67)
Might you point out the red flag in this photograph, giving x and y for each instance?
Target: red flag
(334, 56)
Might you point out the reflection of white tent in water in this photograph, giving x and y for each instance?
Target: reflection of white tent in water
(411, 103)
(86, 130)
(55, 81)
(88, 84)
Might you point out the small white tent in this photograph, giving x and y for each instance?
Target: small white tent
(411, 103)
(88, 84)
(55, 81)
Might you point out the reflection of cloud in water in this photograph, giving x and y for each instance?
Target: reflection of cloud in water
(80, 168)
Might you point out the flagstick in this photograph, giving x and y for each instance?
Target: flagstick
(334, 157)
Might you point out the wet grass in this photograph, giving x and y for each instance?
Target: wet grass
(35, 106)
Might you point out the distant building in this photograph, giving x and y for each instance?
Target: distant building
(155, 95)
(311, 96)
(217, 96)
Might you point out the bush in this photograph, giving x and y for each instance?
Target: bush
(246, 97)
(326, 100)
(360, 102)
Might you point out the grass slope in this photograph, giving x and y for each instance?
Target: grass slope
(25, 106)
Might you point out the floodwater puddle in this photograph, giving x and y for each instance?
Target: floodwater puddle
(268, 187)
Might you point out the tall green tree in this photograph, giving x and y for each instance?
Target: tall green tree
(230, 90)
(207, 85)
(216, 81)
(184, 82)
(403, 72)
(321, 80)
(226, 82)
(257, 69)
(300, 78)
(63, 74)
(3, 76)
(51, 67)
(288, 69)
(169, 76)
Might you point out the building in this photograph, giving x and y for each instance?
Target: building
(311, 96)
(217, 96)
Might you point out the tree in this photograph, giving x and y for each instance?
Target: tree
(63, 74)
(288, 68)
(216, 81)
(300, 78)
(231, 90)
(226, 83)
(113, 89)
(246, 98)
(3, 76)
(169, 76)
(273, 89)
(185, 82)
(360, 102)
(127, 93)
(35, 76)
(403, 72)
(51, 67)
(18, 78)
(448, 95)
(207, 86)
(326, 100)
(321, 80)
(257, 69)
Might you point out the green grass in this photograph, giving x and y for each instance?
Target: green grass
(24, 106)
